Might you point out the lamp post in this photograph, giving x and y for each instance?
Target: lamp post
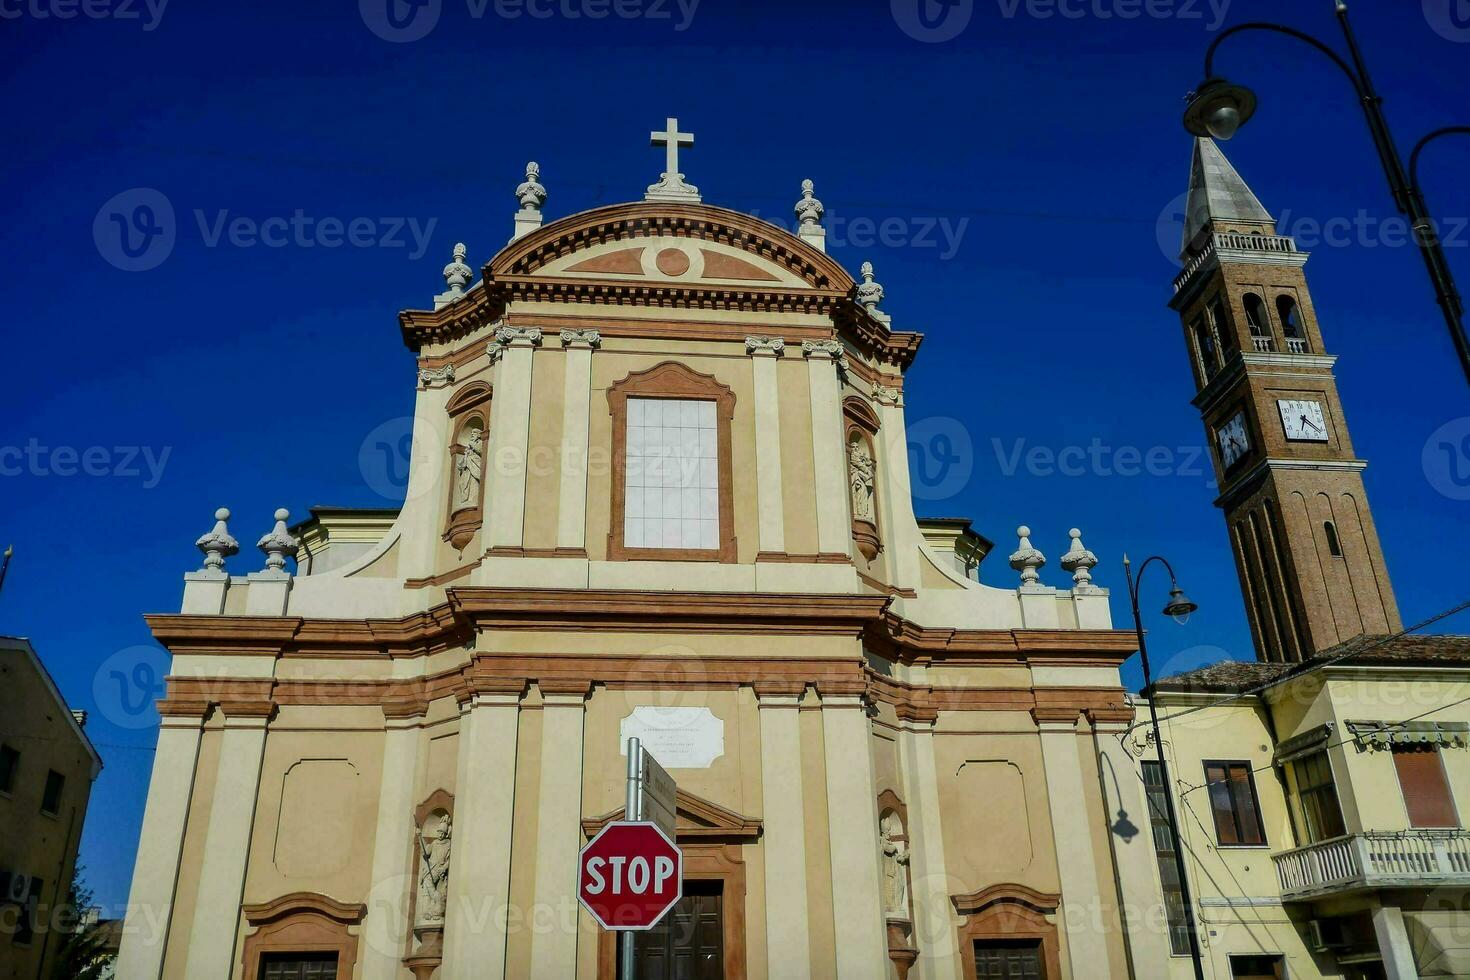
(1218, 108)
(1179, 607)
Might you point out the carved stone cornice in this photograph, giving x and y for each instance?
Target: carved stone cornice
(264, 912)
(1044, 902)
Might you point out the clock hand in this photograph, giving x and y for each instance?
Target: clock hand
(1306, 421)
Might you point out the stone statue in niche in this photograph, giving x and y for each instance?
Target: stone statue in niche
(861, 470)
(469, 467)
(433, 840)
(895, 866)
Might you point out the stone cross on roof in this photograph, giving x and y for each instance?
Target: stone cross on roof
(671, 186)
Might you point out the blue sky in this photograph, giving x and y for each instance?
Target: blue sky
(1009, 166)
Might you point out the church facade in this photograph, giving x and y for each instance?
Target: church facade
(659, 487)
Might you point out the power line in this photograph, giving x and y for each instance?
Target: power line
(1307, 665)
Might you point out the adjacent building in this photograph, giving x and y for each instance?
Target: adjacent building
(47, 765)
(1319, 789)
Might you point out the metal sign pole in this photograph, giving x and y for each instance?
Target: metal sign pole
(632, 810)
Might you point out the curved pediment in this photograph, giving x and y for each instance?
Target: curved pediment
(664, 244)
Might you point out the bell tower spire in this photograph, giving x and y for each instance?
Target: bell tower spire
(1291, 486)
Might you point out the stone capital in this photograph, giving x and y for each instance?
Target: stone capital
(765, 346)
(518, 336)
(581, 339)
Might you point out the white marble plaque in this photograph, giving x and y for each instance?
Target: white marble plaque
(679, 738)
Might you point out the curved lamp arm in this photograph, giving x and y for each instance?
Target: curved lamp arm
(1419, 147)
(1289, 32)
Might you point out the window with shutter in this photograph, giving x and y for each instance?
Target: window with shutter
(1317, 794)
(1233, 803)
(1426, 791)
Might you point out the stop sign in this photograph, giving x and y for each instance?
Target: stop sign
(630, 875)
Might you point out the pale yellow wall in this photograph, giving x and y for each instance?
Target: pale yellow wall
(544, 462)
(201, 803)
(797, 464)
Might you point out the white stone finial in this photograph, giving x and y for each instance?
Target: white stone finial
(218, 544)
(809, 210)
(457, 275)
(809, 213)
(869, 293)
(671, 185)
(1080, 562)
(278, 545)
(1026, 559)
(531, 192)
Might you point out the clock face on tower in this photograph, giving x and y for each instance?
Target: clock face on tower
(1234, 440)
(1302, 419)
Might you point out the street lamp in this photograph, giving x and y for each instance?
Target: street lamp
(1218, 108)
(1178, 607)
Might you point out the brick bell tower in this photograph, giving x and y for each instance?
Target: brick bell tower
(1290, 484)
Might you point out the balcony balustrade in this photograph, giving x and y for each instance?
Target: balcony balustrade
(1375, 859)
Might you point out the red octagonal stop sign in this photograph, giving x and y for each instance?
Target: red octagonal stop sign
(630, 875)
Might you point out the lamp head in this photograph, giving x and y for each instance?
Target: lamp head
(1179, 606)
(1218, 108)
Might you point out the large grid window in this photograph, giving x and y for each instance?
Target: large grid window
(1164, 849)
(1321, 814)
(672, 475)
(1233, 804)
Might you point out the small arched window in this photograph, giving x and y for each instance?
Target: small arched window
(1255, 316)
(1291, 320)
(1333, 545)
(1223, 331)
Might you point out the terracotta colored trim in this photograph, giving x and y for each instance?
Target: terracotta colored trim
(248, 709)
(729, 612)
(670, 379)
(471, 395)
(264, 912)
(686, 328)
(1006, 913)
(302, 922)
(899, 639)
(405, 708)
(565, 685)
(703, 820)
(885, 588)
(443, 578)
(786, 688)
(1056, 714)
(858, 411)
(646, 219)
(513, 551)
(440, 799)
(183, 707)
